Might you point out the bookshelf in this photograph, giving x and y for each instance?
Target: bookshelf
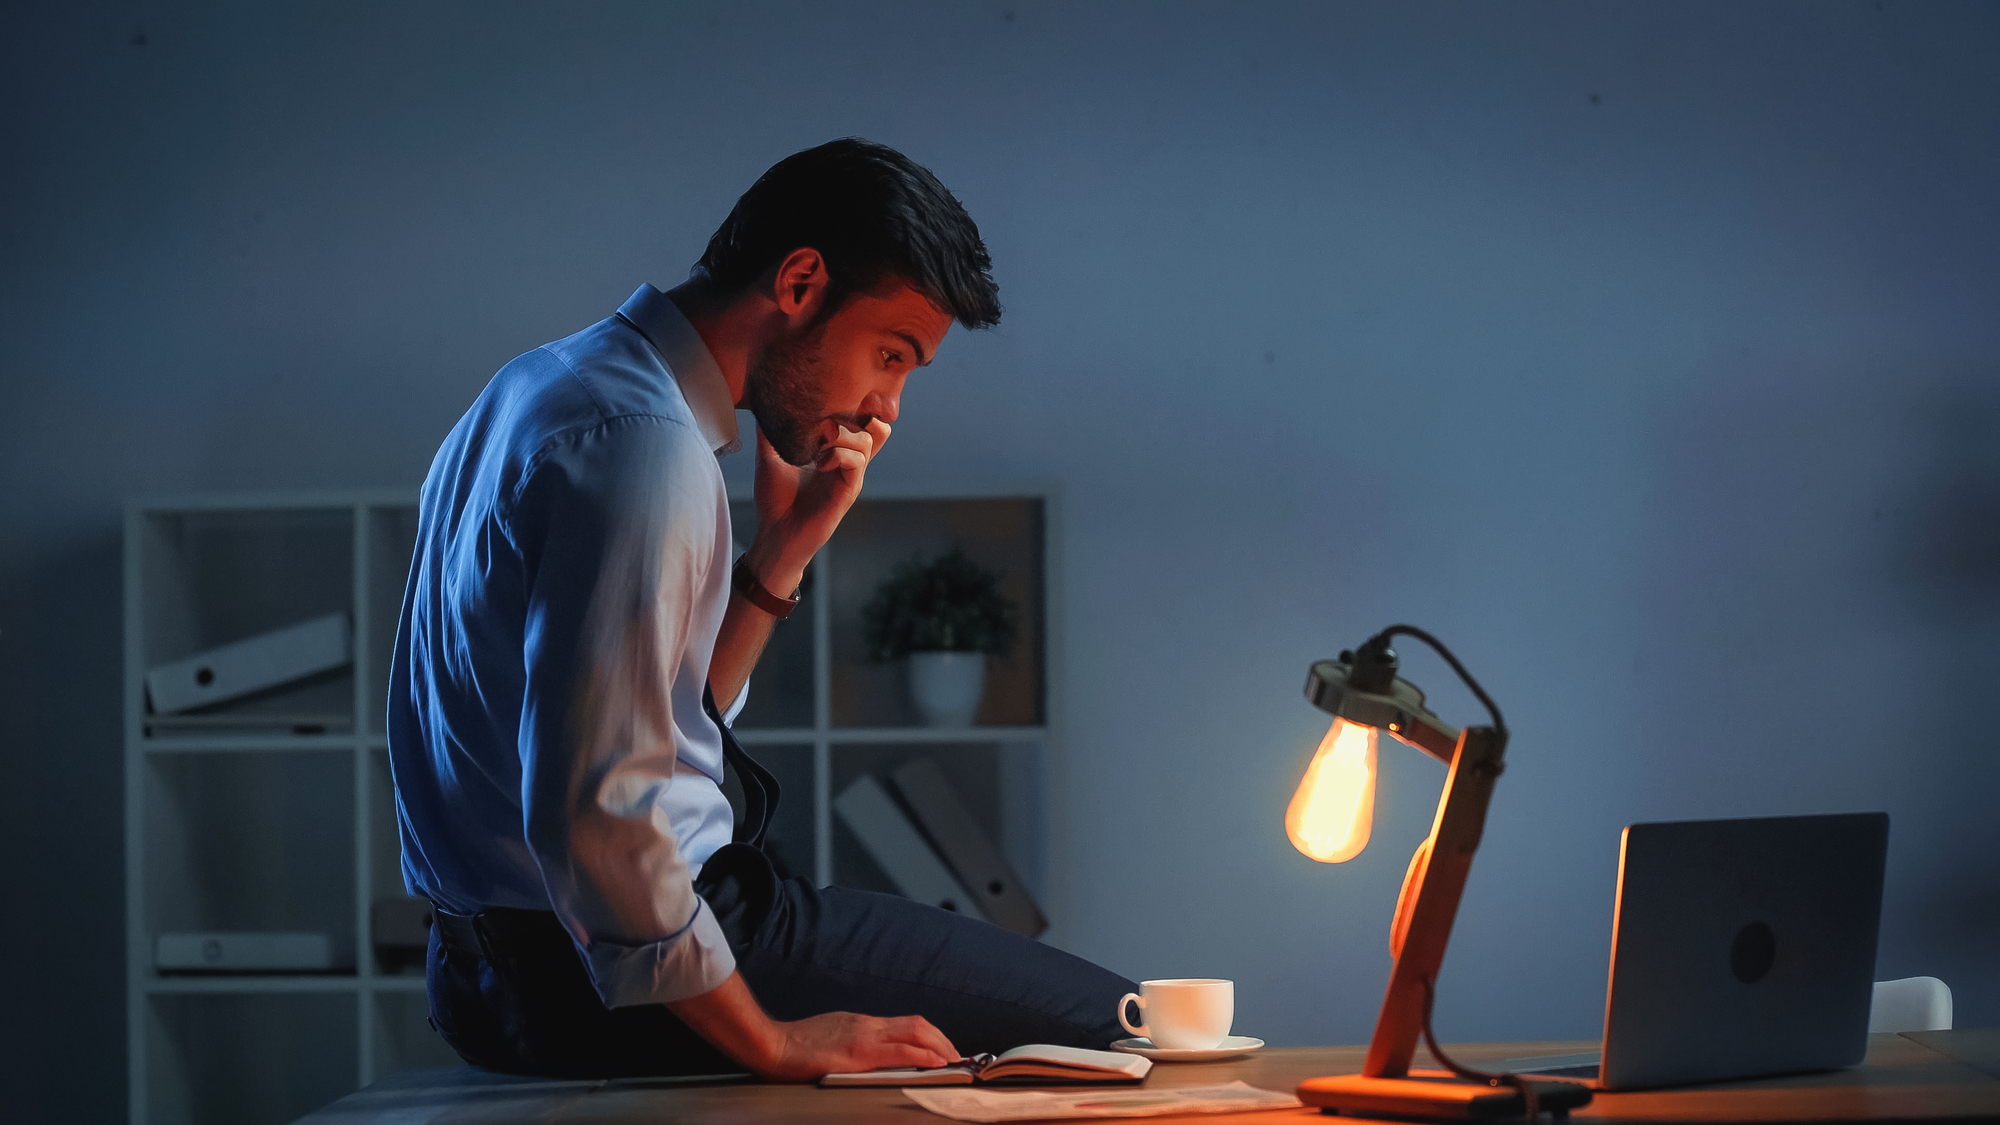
(276, 812)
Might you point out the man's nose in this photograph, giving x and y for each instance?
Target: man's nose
(883, 406)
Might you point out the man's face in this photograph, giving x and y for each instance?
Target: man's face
(844, 371)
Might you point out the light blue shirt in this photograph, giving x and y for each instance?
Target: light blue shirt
(546, 729)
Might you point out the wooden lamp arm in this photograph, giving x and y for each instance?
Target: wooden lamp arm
(1428, 904)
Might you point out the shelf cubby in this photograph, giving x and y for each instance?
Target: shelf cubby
(212, 576)
(251, 841)
(246, 1058)
(1003, 534)
(1000, 783)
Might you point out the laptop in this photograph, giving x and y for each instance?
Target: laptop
(1739, 948)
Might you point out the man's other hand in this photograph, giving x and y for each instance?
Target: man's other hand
(843, 1042)
(802, 1050)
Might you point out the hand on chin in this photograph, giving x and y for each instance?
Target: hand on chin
(798, 506)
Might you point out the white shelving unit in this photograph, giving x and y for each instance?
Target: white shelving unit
(289, 825)
(286, 824)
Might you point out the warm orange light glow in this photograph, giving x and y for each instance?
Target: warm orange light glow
(1332, 812)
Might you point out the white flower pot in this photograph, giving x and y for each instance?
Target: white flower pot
(947, 685)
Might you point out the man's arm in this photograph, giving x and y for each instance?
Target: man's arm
(797, 512)
(745, 630)
(616, 531)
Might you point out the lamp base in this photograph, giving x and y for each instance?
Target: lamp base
(1434, 1095)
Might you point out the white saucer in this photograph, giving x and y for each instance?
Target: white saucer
(1230, 1047)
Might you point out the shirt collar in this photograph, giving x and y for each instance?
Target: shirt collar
(660, 321)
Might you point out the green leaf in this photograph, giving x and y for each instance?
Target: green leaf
(948, 604)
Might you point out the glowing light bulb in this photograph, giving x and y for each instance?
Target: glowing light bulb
(1332, 812)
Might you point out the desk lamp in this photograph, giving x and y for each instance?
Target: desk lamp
(1329, 820)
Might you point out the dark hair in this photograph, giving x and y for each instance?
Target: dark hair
(873, 214)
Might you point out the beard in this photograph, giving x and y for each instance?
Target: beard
(784, 396)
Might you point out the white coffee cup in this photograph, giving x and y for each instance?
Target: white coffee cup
(1187, 1014)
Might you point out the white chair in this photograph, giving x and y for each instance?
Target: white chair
(1910, 1004)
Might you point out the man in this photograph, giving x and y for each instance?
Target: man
(572, 617)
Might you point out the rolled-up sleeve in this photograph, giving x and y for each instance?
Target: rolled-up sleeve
(617, 528)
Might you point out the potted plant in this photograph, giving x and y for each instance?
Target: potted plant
(946, 616)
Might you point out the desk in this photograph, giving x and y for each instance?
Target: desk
(1904, 1077)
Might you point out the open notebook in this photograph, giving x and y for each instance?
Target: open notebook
(1038, 1063)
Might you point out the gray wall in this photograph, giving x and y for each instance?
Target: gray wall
(1645, 352)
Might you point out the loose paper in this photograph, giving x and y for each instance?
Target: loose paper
(968, 1104)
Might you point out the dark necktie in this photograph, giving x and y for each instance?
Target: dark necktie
(760, 789)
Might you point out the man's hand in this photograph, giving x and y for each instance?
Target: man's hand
(797, 512)
(801, 1051)
(842, 1042)
(799, 508)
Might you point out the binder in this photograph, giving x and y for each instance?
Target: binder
(979, 864)
(898, 849)
(243, 953)
(263, 661)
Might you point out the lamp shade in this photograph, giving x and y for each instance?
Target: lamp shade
(1395, 705)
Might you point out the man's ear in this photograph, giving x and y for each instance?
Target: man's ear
(799, 285)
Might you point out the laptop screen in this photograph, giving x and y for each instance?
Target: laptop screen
(1743, 948)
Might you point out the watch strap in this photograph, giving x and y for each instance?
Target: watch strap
(753, 591)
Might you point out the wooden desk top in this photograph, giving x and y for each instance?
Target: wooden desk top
(1922, 1076)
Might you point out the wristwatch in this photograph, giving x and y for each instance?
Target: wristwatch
(753, 591)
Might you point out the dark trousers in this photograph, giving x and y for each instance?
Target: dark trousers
(524, 1004)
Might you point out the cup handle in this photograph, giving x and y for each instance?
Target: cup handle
(1133, 998)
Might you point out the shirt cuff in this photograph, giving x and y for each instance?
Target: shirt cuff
(692, 962)
(736, 708)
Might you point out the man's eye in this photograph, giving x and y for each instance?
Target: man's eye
(891, 358)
